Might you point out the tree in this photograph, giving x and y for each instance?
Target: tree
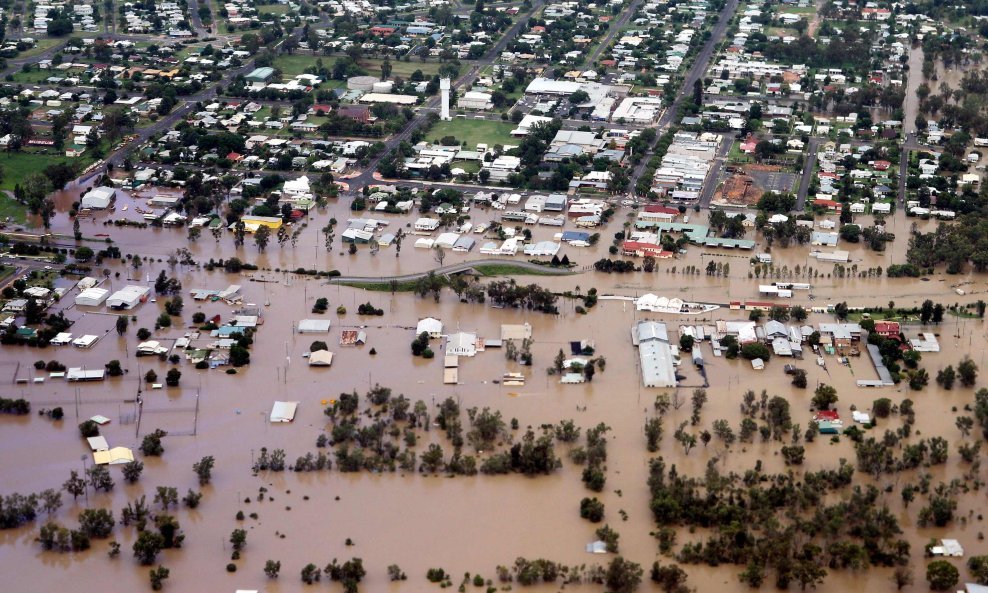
(926, 311)
(946, 377)
(623, 576)
(261, 237)
(686, 342)
(902, 577)
(96, 523)
(166, 496)
(158, 576)
(937, 314)
(238, 539)
(88, 428)
(132, 471)
(75, 485)
(942, 575)
(967, 371)
(122, 323)
(204, 469)
(592, 510)
(147, 546)
(99, 478)
(824, 397)
(385, 68)
(978, 565)
(311, 574)
(272, 568)
(755, 350)
(151, 445)
(669, 578)
(51, 500)
(798, 314)
(173, 377)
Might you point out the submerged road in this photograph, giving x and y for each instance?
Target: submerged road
(458, 268)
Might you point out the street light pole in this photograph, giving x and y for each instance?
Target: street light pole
(84, 481)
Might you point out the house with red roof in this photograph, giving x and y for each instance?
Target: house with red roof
(235, 157)
(888, 329)
(321, 109)
(831, 205)
(881, 165)
(748, 146)
(643, 249)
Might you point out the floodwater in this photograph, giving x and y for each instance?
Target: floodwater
(462, 524)
(913, 80)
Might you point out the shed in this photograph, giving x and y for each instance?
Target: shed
(320, 358)
(284, 411)
(128, 297)
(80, 374)
(98, 198)
(91, 297)
(431, 326)
(758, 364)
(313, 326)
(98, 443)
(115, 456)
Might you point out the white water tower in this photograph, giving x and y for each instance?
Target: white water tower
(444, 89)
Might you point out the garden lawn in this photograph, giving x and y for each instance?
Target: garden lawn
(474, 131)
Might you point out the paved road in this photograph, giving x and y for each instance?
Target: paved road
(713, 176)
(467, 266)
(808, 169)
(197, 25)
(695, 73)
(613, 29)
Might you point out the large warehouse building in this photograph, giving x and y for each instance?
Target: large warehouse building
(655, 352)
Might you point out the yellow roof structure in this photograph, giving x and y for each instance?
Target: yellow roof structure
(252, 223)
(115, 456)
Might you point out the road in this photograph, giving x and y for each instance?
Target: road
(458, 268)
(613, 29)
(197, 25)
(713, 176)
(695, 73)
(808, 169)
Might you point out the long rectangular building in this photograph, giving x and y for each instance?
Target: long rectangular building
(655, 354)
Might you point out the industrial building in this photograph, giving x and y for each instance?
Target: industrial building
(91, 297)
(260, 74)
(128, 297)
(655, 354)
(98, 198)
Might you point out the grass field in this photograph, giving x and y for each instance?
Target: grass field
(292, 65)
(474, 131)
(34, 76)
(12, 209)
(40, 46)
(19, 165)
(798, 9)
(272, 9)
(381, 286)
(513, 270)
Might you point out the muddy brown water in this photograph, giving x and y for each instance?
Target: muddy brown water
(463, 524)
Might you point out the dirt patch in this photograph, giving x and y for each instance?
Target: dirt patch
(745, 185)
